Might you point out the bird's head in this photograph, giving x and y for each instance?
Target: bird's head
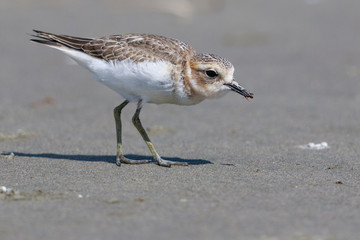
(212, 76)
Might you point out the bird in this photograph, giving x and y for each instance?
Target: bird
(147, 68)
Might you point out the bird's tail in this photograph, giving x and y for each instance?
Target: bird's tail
(54, 40)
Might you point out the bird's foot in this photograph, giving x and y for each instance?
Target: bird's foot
(167, 163)
(122, 159)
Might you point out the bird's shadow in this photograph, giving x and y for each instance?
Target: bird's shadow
(104, 158)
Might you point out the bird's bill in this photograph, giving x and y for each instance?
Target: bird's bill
(234, 86)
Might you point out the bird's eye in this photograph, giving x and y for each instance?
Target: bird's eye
(211, 73)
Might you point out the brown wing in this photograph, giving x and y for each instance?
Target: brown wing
(137, 47)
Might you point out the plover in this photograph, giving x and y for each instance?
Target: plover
(145, 68)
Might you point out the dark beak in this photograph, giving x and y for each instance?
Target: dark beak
(234, 86)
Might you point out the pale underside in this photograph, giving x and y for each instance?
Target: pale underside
(149, 81)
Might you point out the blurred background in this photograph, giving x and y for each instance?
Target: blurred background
(301, 59)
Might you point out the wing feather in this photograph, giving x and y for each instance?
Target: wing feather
(136, 47)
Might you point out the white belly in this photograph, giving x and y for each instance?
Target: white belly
(149, 81)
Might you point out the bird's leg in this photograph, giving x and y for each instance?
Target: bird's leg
(137, 123)
(119, 151)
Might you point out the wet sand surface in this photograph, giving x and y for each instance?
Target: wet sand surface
(248, 178)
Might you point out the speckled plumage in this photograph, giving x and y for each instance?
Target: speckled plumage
(136, 47)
